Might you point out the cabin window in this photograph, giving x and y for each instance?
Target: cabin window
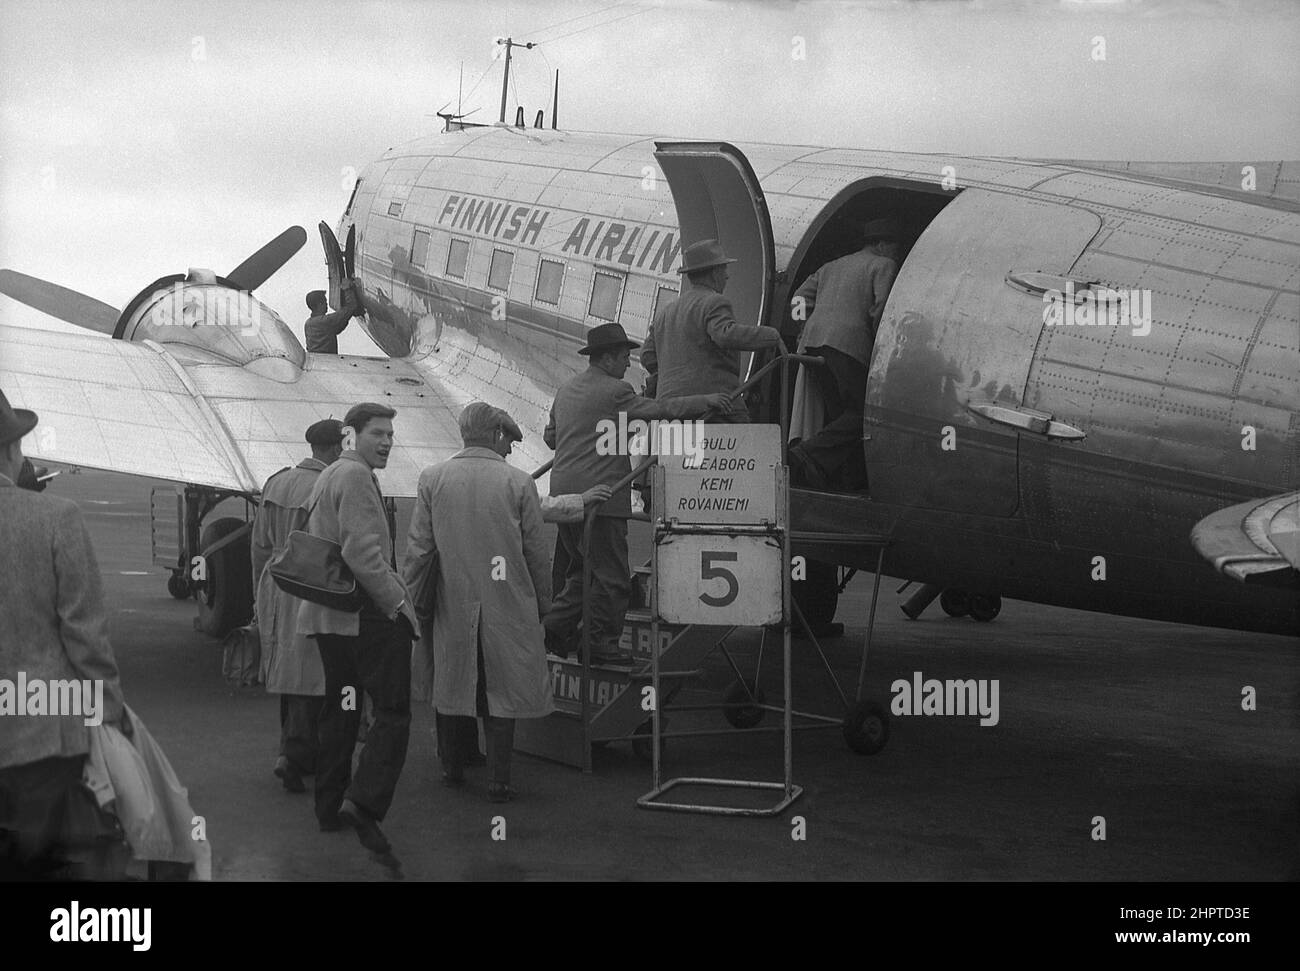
(457, 258)
(394, 208)
(550, 274)
(503, 262)
(419, 248)
(662, 296)
(606, 290)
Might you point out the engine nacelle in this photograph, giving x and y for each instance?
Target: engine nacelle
(213, 321)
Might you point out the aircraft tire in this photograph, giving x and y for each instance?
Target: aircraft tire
(955, 603)
(227, 599)
(985, 607)
(643, 744)
(866, 727)
(178, 586)
(738, 693)
(818, 596)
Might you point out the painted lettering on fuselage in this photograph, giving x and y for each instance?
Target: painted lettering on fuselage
(592, 238)
(623, 243)
(497, 219)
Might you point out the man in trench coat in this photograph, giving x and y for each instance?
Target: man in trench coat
(493, 587)
(290, 662)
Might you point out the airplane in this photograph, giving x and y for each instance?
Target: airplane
(1145, 473)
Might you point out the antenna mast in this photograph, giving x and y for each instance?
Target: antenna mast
(505, 80)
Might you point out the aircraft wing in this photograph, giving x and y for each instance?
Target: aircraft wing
(139, 408)
(1254, 542)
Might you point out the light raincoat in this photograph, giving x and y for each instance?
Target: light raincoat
(494, 585)
(290, 662)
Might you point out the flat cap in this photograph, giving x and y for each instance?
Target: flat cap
(326, 432)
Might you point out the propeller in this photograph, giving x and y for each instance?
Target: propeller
(60, 302)
(262, 265)
(77, 308)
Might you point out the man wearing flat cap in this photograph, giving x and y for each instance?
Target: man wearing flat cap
(291, 664)
(53, 627)
(484, 647)
(842, 302)
(585, 408)
(693, 342)
(322, 327)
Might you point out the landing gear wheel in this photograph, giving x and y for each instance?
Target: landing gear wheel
(746, 693)
(954, 602)
(818, 595)
(178, 586)
(985, 608)
(866, 727)
(643, 743)
(226, 599)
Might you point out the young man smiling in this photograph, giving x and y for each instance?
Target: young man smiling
(367, 652)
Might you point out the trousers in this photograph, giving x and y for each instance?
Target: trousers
(611, 585)
(300, 730)
(377, 662)
(458, 735)
(837, 448)
(51, 828)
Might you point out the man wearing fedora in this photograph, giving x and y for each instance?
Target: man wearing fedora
(53, 627)
(291, 665)
(692, 344)
(577, 431)
(846, 298)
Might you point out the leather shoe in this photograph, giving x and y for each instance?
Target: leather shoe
(290, 776)
(478, 758)
(498, 792)
(331, 824)
(368, 831)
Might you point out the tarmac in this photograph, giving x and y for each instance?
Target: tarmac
(1140, 723)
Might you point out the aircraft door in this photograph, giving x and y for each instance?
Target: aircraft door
(334, 264)
(717, 195)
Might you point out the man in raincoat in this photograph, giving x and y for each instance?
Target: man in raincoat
(290, 663)
(486, 642)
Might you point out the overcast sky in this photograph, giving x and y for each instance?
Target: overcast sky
(139, 139)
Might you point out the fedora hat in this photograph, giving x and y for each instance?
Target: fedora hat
(14, 422)
(703, 255)
(606, 337)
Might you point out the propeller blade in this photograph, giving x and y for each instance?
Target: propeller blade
(262, 265)
(75, 308)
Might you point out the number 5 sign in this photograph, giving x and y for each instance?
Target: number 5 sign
(719, 579)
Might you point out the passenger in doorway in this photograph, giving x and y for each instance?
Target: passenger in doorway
(693, 342)
(492, 589)
(322, 327)
(845, 299)
(291, 665)
(586, 408)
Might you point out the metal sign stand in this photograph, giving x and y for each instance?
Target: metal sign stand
(775, 537)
